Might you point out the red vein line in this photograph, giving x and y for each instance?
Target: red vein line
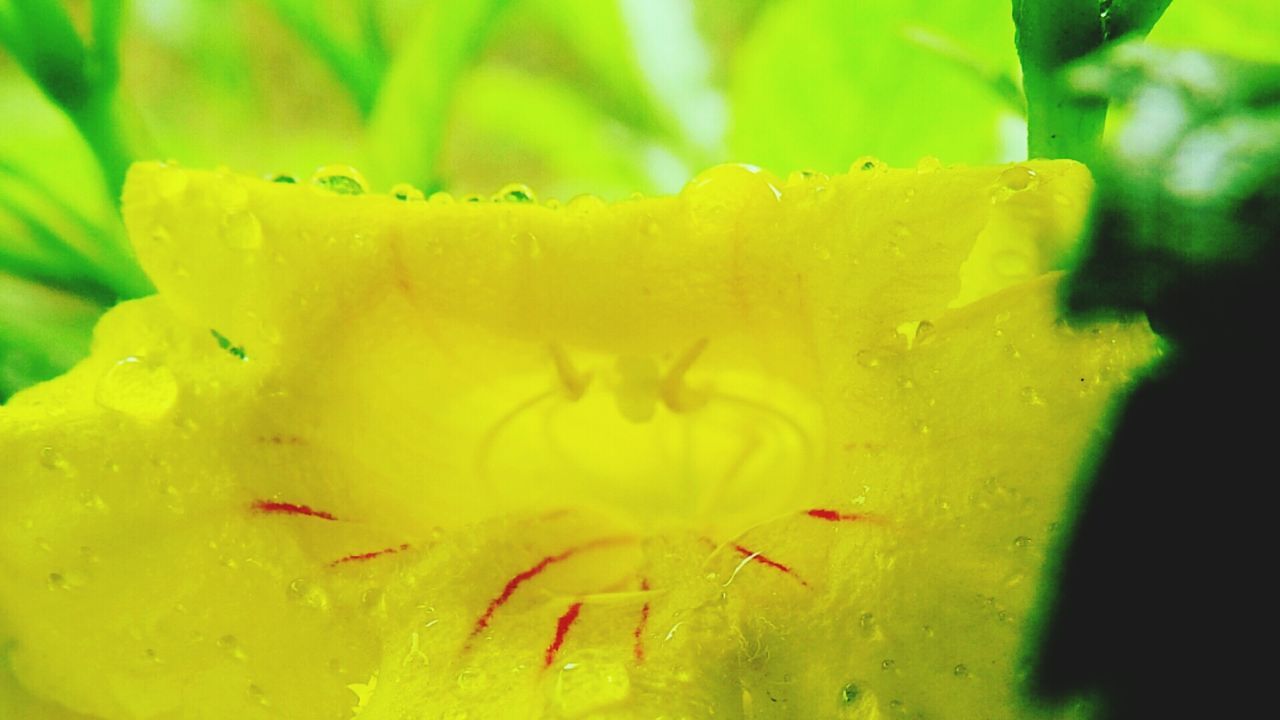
(834, 515)
(286, 508)
(369, 555)
(562, 629)
(765, 560)
(638, 633)
(282, 440)
(521, 577)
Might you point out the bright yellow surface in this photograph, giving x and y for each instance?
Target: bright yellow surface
(660, 388)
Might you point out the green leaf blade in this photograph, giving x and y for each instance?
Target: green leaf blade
(409, 118)
(820, 83)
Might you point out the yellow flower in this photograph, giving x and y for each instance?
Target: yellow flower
(759, 450)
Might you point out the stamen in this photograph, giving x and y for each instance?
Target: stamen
(675, 394)
(572, 381)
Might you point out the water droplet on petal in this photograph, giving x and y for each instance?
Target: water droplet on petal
(231, 646)
(305, 593)
(928, 164)
(407, 192)
(339, 179)
(867, 624)
(93, 502)
(731, 184)
(527, 245)
(869, 358)
(866, 163)
(51, 459)
(138, 388)
(1031, 396)
(374, 600)
(801, 177)
(516, 193)
(242, 230)
(1018, 177)
(441, 198)
(584, 687)
(850, 693)
(585, 204)
(284, 179)
(472, 681)
(258, 695)
(1022, 541)
(960, 671)
(887, 664)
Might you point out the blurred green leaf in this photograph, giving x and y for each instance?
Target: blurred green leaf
(675, 61)
(1248, 29)
(43, 146)
(407, 126)
(723, 24)
(82, 81)
(999, 80)
(359, 68)
(40, 36)
(642, 61)
(94, 256)
(571, 145)
(107, 16)
(1189, 194)
(51, 259)
(596, 35)
(42, 332)
(819, 83)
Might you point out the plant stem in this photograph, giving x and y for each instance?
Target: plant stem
(1051, 34)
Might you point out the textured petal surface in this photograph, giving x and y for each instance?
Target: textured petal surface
(758, 450)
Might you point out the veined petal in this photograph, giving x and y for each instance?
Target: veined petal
(762, 448)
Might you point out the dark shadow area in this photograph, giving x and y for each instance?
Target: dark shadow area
(1165, 606)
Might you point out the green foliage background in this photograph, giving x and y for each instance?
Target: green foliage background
(570, 96)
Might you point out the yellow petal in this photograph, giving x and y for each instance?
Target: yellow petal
(761, 449)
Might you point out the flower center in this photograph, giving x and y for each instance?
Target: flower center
(689, 439)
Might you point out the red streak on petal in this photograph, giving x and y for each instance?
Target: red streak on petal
(285, 508)
(562, 629)
(768, 562)
(834, 515)
(369, 555)
(515, 582)
(638, 634)
(282, 440)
